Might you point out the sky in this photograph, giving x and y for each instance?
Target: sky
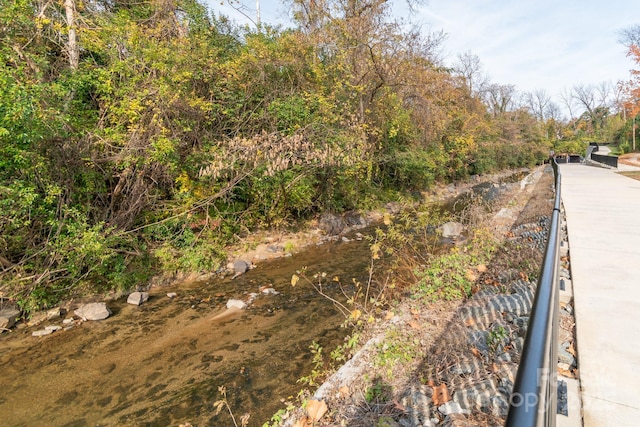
(533, 44)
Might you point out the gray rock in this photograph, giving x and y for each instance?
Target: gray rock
(138, 298)
(564, 366)
(477, 396)
(354, 219)
(505, 386)
(564, 356)
(67, 321)
(93, 311)
(518, 344)
(452, 407)
(172, 295)
(419, 404)
(478, 339)
(55, 313)
(516, 303)
(456, 420)
(8, 318)
(331, 224)
(41, 333)
(499, 406)
(465, 368)
(503, 357)
(241, 266)
(236, 303)
(53, 328)
(452, 229)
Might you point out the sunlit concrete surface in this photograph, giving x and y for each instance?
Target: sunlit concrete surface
(603, 221)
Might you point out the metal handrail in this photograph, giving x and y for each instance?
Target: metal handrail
(533, 401)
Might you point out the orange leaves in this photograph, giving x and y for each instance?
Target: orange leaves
(471, 276)
(440, 393)
(415, 325)
(315, 411)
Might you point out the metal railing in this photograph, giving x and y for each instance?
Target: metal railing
(534, 398)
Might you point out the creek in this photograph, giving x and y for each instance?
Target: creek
(162, 363)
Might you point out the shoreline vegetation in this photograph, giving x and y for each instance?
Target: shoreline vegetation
(140, 139)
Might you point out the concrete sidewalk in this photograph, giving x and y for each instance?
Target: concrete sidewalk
(603, 221)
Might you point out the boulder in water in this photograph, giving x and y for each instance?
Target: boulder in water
(236, 303)
(241, 266)
(138, 298)
(8, 318)
(93, 311)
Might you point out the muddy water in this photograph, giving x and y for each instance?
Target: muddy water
(162, 363)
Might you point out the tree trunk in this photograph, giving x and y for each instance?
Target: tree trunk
(72, 44)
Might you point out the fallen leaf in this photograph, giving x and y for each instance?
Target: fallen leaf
(470, 322)
(316, 409)
(302, 422)
(482, 268)
(415, 312)
(389, 315)
(344, 391)
(414, 324)
(471, 276)
(294, 279)
(440, 394)
(565, 373)
(476, 352)
(355, 314)
(523, 276)
(399, 406)
(572, 350)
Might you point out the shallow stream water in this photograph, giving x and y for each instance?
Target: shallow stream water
(161, 363)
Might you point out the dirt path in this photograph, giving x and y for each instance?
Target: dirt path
(631, 159)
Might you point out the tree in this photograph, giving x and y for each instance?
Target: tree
(630, 36)
(538, 102)
(631, 88)
(593, 100)
(500, 98)
(469, 67)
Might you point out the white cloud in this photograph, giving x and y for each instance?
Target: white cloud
(541, 44)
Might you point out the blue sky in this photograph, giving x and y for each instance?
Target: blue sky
(541, 44)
